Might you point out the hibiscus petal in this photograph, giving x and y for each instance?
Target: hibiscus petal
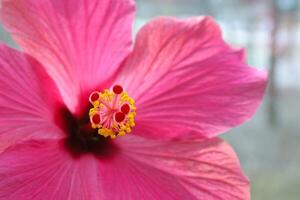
(81, 44)
(28, 99)
(45, 170)
(207, 169)
(143, 169)
(183, 76)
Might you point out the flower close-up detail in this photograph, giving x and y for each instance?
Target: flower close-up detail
(86, 113)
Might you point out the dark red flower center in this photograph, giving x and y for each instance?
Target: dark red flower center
(109, 114)
(81, 138)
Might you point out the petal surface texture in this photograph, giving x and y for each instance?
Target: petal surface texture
(183, 76)
(28, 98)
(80, 43)
(45, 170)
(194, 169)
(143, 170)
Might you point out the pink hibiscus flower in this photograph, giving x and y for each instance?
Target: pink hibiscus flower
(175, 90)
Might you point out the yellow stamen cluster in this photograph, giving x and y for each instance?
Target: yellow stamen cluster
(107, 105)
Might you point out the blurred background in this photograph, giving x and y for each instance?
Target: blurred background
(268, 145)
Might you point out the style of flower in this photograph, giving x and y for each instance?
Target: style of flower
(85, 115)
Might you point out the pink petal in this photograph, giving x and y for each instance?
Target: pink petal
(143, 169)
(183, 76)
(81, 44)
(28, 99)
(44, 170)
(204, 170)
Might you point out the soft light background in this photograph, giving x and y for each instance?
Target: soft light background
(268, 145)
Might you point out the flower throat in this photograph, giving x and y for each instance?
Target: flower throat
(113, 112)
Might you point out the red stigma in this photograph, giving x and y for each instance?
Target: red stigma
(96, 119)
(118, 89)
(119, 117)
(95, 96)
(125, 109)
